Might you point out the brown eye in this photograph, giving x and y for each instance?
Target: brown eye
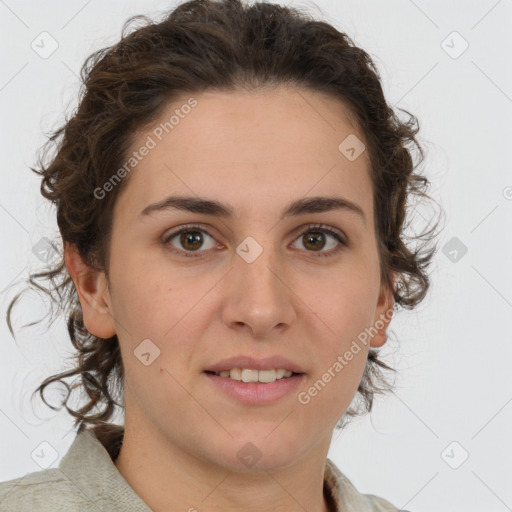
(316, 238)
(189, 240)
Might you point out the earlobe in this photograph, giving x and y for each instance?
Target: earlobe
(384, 314)
(92, 289)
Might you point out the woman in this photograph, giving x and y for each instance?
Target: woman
(231, 195)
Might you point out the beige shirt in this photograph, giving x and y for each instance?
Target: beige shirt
(88, 480)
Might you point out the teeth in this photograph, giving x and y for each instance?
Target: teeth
(281, 373)
(248, 375)
(235, 373)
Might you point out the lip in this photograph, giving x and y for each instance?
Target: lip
(253, 363)
(255, 393)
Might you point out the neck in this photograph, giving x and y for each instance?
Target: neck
(170, 478)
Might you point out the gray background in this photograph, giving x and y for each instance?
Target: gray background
(454, 393)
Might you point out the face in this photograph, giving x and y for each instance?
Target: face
(255, 283)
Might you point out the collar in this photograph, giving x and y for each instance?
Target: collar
(89, 465)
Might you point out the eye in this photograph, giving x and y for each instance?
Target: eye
(191, 238)
(314, 236)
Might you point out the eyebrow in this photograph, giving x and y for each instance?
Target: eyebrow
(215, 208)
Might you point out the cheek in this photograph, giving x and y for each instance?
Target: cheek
(345, 307)
(143, 299)
(343, 353)
(343, 313)
(162, 307)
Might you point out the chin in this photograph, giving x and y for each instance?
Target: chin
(260, 450)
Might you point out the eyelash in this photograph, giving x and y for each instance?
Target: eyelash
(317, 227)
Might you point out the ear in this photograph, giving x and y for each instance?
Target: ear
(383, 314)
(92, 289)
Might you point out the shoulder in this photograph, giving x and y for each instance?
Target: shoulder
(378, 504)
(40, 491)
(347, 497)
(86, 479)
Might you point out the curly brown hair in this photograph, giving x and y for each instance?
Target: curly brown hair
(226, 46)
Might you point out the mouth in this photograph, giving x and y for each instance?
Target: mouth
(245, 387)
(255, 381)
(251, 375)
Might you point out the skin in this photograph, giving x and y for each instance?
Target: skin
(256, 152)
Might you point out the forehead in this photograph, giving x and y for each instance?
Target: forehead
(250, 149)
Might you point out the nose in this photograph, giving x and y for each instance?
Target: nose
(257, 296)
